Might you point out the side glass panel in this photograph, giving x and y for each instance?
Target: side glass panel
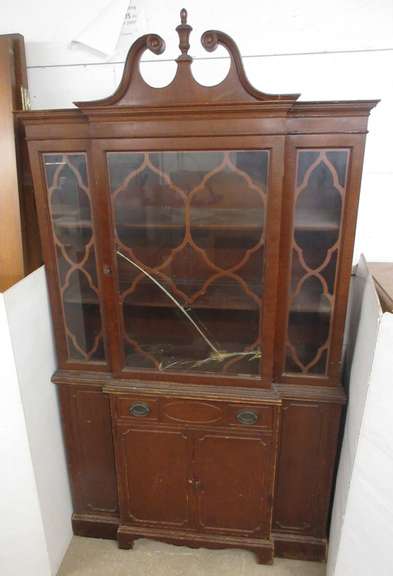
(73, 236)
(189, 231)
(321, 180)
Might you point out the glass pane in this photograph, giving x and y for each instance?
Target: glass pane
(189, 229)
(73, 236)
(321, 182)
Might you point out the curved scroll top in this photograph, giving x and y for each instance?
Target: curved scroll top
(184, 89)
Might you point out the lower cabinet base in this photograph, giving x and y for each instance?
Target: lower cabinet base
(262, 548)
(93, 526)
(300, 547)
(292, 546)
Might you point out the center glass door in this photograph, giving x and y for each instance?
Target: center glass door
(189, 230)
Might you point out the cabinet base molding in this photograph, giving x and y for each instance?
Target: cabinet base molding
(263, 549)
(298, 547)
(292, 546)
(94, 526)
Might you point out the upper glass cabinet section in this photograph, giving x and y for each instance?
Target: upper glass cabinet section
(74, 243)
(189, 232)
(320, 187)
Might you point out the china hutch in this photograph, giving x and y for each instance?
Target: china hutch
(198, 245)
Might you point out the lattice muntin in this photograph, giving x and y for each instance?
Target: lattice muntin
(165, 253)
(321, 182)
(73, 236)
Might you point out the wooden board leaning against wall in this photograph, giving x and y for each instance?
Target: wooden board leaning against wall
(20, 250)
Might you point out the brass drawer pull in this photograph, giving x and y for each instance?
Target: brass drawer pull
(139, 409)
(247, 417)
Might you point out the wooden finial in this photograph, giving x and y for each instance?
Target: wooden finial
(183, 16)
(184, 31)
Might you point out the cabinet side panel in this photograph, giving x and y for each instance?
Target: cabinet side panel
(87, 428)
(306, 461)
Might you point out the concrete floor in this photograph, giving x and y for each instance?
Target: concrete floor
(92, 557)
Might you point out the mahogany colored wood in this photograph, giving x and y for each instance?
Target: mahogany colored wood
(95, 526)
(187, 475)
(229, 458)
(299, 547)
(88, 436)
(306, 460)
(20, 251)
(153, 476)
(202, 457)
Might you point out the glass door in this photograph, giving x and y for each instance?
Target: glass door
(74, 243)
(319, 191)
(189, 229)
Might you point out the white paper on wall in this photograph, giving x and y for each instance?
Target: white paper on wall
(102, 33)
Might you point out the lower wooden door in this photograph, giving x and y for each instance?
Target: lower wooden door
(154, 487)
(207, 481)
(234, 477)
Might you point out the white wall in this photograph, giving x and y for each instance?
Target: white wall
(35, 504)
(361, 529)
(341, 49)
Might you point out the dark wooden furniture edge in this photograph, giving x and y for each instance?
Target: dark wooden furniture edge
(335, 395)
(192, 391)
(285, 545)
(298, 547)
(109, 385)
(301, 109)
(94, 526)
(262, 548)
(85, 378)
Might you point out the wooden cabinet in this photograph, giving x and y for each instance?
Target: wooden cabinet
(196, 468)
(198, 244)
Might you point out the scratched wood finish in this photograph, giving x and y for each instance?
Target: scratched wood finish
(211, 459)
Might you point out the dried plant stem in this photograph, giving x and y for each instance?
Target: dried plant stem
(215, 351)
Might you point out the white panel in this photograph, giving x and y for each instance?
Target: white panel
(22, 538)
(367, 533)
(361, 529)
(30, 329)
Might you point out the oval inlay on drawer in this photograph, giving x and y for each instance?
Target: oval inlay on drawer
(192, 412)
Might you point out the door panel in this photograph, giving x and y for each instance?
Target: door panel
(88, 433)
(319, 193)
(189, 229)
(154, 476)
(308, 446)
(73, 237)
(317, 231)
(233, 484)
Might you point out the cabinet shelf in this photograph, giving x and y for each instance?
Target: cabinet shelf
(301, 225)
(314, 221)
(216, 304)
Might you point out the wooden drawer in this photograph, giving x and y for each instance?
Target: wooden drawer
(250, 416)
(137, 408)
(180, 411)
